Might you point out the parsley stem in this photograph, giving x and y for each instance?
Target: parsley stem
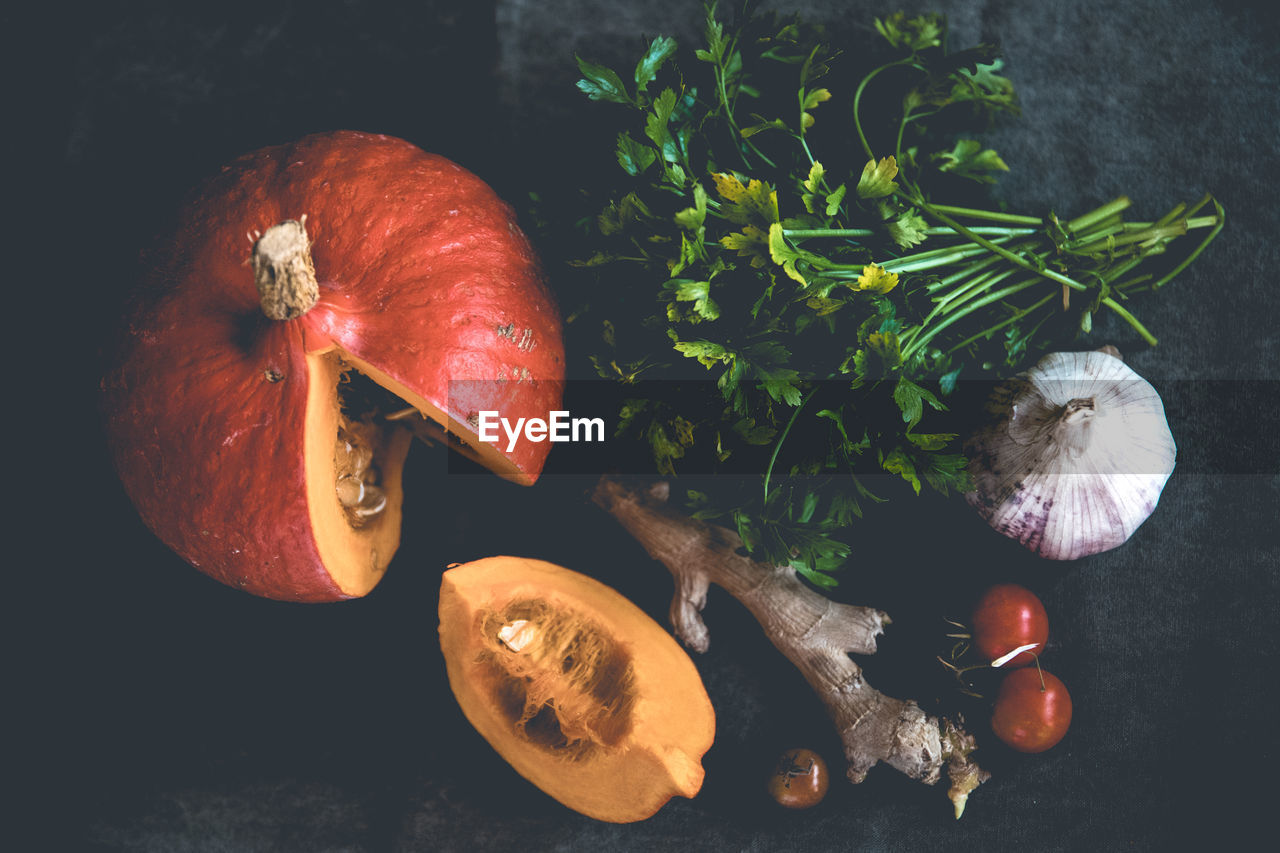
(805, 233)
(1120, 269)
(738, 139)
(993, 231)
(777, 447)
(857, 100)
(941, 257)
(1202, 202)
(990, 230)
(975, 286)
(1095, 234)
(1111, 208)
(1013, 318)
(1220, 216)
(1000, 250)
(990, 215)
(907, 118)
(963, 273)
(1131, 320)
(923, 339)
(1173, 214)
(1110, 242)
(967, 291)
(1101, 213)
(805, 145)
(915, 263)
(931, 259)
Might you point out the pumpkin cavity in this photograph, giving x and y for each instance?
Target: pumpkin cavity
(362, 438)
(559, 680)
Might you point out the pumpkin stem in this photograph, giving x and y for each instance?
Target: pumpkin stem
(284, 272)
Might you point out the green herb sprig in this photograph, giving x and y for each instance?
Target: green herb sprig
(773, 231)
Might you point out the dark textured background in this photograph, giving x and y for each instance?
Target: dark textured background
(161, 712)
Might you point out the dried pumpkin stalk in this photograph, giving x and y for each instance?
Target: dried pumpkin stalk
(815, 633)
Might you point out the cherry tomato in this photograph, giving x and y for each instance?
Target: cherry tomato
(1031, 716)
(1008, 616)
(800, 779)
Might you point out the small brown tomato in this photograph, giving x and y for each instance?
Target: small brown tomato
(800, 779)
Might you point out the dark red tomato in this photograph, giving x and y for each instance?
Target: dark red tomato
(800, 780)
(1008, 616)
(1030, 715)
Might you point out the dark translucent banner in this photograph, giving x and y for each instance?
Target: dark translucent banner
(1223, 427)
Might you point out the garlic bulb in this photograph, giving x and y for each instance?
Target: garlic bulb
(1074, 457)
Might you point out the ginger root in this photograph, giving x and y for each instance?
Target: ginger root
(815, 633)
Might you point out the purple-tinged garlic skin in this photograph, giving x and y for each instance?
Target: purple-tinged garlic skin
(1074, 456)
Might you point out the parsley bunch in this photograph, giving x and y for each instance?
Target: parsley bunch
(775, 226)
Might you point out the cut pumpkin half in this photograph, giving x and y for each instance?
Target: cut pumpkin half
(581, 691)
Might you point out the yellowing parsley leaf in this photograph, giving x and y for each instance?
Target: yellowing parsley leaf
(823, 305)
(729, 187)
(881, 355)
(707, 353)
(912, 34)
(817, 172)
(618, 215)
(813, 185)
(751, 242)
(752, 130)
(834, 198)
(931, 441)
(815, 97)
(875, 279)
(755, 202)
(811, 100)
(877, 178)
(898, 462)
(783, 253)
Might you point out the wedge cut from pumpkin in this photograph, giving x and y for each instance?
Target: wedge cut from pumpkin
(579, 690)
(295, 275)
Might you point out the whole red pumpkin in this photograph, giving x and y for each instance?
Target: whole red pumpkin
(232, 410)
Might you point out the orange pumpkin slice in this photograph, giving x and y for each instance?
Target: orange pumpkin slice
(576, 687)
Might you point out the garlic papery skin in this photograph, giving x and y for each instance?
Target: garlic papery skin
(1074, 456)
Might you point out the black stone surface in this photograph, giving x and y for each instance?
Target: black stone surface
(158, 711)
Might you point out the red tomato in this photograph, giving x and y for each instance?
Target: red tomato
(1008, 616)
(1031, 716)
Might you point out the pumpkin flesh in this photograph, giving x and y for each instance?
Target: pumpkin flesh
(577, 688)
(354, 556)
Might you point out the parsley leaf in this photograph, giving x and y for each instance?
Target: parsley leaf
(911, 399)
(970, 160)
(660, 50)
(601, 83)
